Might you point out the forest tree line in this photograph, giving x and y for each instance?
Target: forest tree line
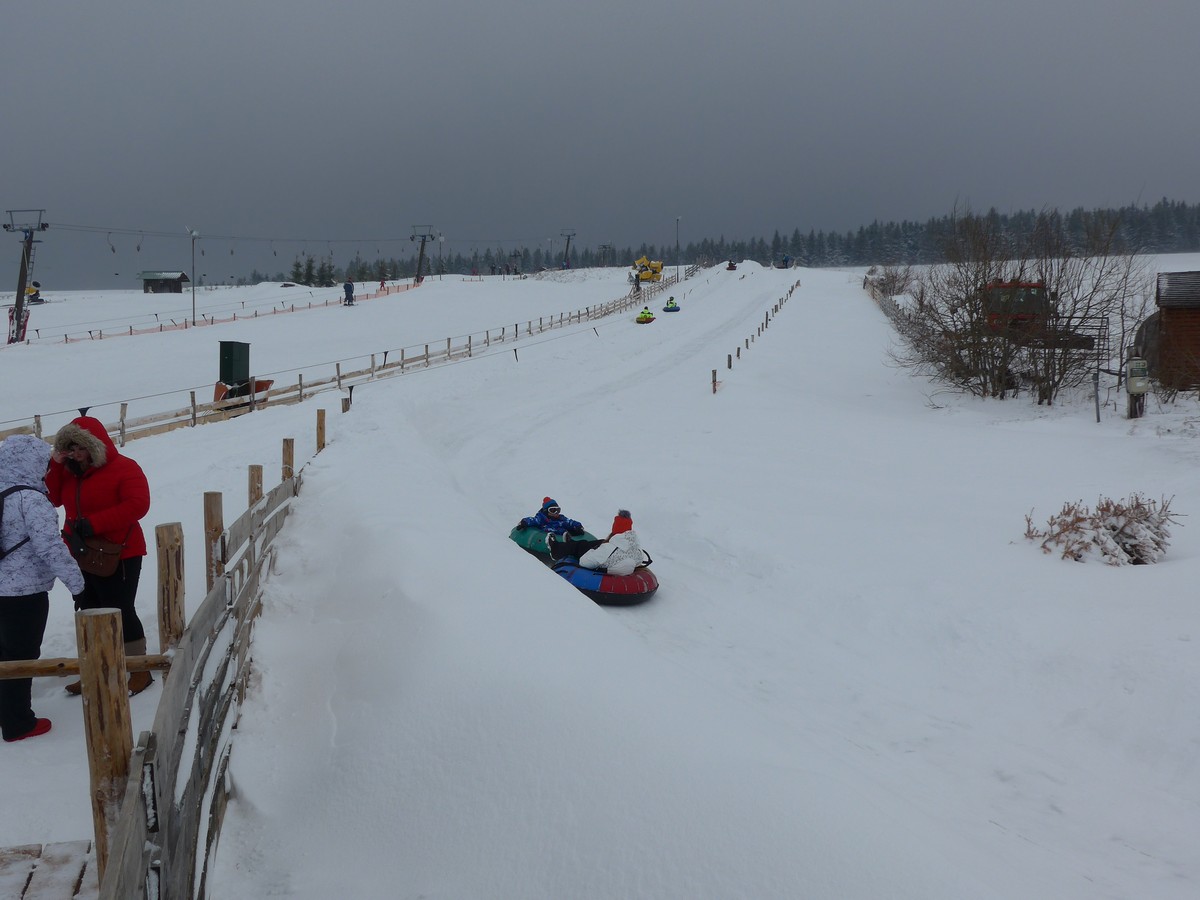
(1166, 227)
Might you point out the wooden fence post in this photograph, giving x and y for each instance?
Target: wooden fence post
(106, 724)
(254, 485)
(289, 458)
(214, 527)
(171, 620)
(321, 422)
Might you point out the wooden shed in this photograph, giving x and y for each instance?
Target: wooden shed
(1170, 339)
(163, 282)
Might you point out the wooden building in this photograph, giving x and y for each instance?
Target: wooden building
(163, 282)
(1169, 340)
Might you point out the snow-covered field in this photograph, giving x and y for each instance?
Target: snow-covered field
(858, 679)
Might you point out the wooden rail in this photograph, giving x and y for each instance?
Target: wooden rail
(175, 798)
(378, 365)
(158, 804)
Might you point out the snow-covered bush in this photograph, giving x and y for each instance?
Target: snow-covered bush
(1125, 532)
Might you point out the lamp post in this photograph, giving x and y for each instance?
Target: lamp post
(194, 234)
(677, 218)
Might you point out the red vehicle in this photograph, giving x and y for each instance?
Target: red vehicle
(1027, 314)
(1024, 307)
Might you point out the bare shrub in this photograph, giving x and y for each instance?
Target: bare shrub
(1124, 532)
(968, 328)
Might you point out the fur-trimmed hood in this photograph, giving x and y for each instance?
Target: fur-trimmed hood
(112, 493)
(90, 434)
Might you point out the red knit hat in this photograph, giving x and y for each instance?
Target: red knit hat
(623, 522)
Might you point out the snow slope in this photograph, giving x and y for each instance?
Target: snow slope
(857, 679)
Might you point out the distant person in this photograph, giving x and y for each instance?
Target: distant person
(551, 520)
(348, 287)
(382, 285)
(104, 494)
(32, 556)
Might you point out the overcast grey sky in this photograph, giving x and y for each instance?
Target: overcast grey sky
(504, 124)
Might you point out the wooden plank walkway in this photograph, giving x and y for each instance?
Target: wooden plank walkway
(65, 871)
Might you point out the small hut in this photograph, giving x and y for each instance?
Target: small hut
(1169, 340)
(163, 282)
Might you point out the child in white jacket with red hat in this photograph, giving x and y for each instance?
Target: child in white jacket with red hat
(621, 553)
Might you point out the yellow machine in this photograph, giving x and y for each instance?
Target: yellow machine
(646, 270)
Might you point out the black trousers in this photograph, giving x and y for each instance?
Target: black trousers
(22, 626)
(118, 591)
(570, 546)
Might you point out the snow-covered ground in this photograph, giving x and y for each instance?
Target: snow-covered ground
(858, 679)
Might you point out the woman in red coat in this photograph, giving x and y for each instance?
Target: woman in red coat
(104, 495)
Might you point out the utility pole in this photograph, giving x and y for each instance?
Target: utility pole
(193, 234)
(568, 234)
(424, 233)
(606, 250)
(16, 329)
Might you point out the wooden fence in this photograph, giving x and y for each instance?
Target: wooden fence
(345, 374)
(170, 816)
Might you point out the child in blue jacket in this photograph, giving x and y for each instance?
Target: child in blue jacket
(550, 519)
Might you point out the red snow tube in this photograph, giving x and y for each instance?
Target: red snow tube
(610, 590)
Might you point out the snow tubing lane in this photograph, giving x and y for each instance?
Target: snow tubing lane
(600, 587)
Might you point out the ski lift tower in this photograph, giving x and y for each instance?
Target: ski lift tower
(424, 233)
(26, 221)
(568, 233)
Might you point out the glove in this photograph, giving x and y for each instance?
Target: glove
(83, 528)
(577, 529)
